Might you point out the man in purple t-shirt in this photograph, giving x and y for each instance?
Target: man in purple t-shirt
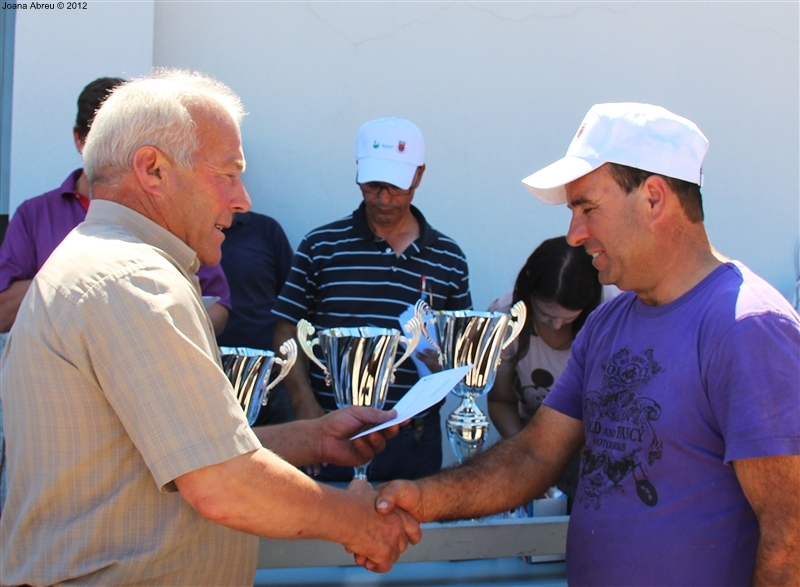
(41, 223)
(685, 389)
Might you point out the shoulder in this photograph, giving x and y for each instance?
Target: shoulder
(330, 235)
(751, 293)
(742, 307)
(503, 303)
(332, 228)
(439, 243)
(266, 222)
(37, 205)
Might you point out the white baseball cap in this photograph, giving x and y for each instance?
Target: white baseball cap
(643, 136)
(389, 150)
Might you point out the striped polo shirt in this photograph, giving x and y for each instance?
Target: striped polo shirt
(343, 275)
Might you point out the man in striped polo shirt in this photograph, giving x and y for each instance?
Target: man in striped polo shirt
(365, 270)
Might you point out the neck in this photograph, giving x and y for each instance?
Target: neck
(399, 235)
(126, 191)
(688, 260)
(82, 185)
(558, 340)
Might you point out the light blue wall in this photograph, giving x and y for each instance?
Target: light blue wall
(498, 89)
(57, 52)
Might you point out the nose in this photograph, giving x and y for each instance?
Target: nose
(557, 323)
(240, 202)
(383, 194)
(577, 233)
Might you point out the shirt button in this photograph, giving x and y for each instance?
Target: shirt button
(388, 249)
(394, 268)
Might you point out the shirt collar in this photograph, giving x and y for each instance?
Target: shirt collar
(145, 230)
(363, 230)
(68, 187)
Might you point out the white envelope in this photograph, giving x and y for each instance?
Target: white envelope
(426, 392)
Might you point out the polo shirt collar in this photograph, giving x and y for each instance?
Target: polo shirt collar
(363, 230)
(68, 187)
(145, 230)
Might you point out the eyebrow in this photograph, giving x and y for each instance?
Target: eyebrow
(578, 202)
(238, 162)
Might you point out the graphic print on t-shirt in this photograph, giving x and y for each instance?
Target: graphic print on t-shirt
(542, 380)
(621, 439)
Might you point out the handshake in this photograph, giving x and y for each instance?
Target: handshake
(391, 522)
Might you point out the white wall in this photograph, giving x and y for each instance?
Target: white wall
(56, 53)
(498, 90)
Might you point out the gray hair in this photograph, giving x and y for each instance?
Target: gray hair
(153, 111)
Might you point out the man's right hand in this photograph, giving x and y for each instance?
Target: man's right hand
(379, 542)
(405, 495)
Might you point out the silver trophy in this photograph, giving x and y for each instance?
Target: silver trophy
(249, 370)
(360, 362)
(465, 337)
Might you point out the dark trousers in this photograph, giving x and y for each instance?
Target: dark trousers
(415, 452)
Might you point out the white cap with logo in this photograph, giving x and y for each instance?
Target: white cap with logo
(389, 150)
(643, 136)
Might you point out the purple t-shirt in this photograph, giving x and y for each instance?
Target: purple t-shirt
(41, 223)
(669, 396)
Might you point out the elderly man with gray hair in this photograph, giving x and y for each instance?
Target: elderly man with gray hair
(130, 461)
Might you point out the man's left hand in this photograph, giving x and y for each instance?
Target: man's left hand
(338, 427)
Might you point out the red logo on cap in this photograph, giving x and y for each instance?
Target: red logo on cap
(401, 146)
(580, 131)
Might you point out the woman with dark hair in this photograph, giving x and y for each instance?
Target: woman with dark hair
(560, 287)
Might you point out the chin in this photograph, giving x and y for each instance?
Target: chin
(209, 257)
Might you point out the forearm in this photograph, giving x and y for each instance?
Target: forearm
(219, 317)
(295, 442)
(503, 403)
(777, 565)
(766, 483)
(297, 384)
(505, 417)
(509, 474)
(10, 301)
(260, 494)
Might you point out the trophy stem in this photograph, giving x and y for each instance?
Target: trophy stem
(467, 429)
(360, 472)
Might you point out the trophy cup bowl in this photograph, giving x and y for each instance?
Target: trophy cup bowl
(466, 337)
(359, 363)
(249, 370)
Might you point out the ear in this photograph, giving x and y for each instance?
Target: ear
(417, 177)
(152, 170)
(79, 142)
(657, 194)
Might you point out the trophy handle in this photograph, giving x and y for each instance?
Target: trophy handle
(289, 350)
(422, 309)
(304, 331)
(415, 328)
(519, 313)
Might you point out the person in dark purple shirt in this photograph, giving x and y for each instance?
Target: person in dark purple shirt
(41, 223)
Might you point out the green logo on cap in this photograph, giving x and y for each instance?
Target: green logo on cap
(375, 145)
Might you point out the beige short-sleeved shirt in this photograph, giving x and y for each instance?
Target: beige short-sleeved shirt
(111, 389)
